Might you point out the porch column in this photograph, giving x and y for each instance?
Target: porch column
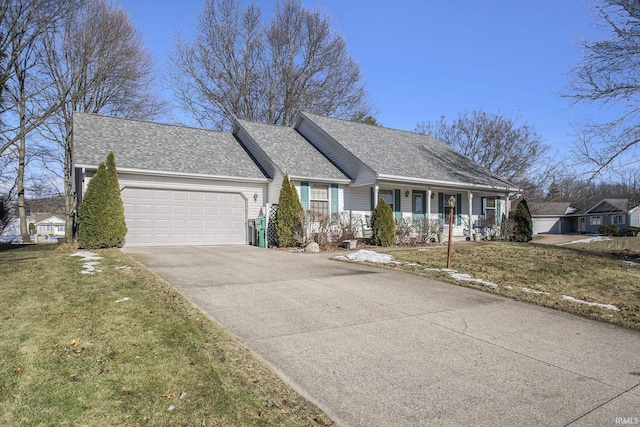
(470, 213)
(376, 191)
(507, 205)
(428, 213)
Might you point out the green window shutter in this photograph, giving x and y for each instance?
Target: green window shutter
(441, 206)
(373, 195)
(304, 195)
(498, 210)
(397, 211)
(459, 209)
(334, 198)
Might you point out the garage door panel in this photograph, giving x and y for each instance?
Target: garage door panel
(180, 217)
(144, 208)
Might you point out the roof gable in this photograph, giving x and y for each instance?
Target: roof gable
(157, 147)
(289, 151)
(54, 220)
(405, 155)
(608, 205)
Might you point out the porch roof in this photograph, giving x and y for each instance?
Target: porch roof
(406, 156)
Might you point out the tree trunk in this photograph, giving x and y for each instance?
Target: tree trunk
(22, 211)
(69, 194)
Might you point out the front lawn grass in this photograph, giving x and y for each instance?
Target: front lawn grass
(74, 351)
(546, 272)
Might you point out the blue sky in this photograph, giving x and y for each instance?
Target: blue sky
(421, 59)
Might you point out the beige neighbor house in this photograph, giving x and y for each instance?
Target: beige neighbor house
(185, 186)
(49, 228)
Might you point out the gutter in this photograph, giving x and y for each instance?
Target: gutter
(147, 172)
(446, 184)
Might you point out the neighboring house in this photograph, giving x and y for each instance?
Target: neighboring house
(192, 186)
(548, 217)
(582, 216)
(49, 228)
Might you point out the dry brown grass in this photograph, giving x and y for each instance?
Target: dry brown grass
(554, 271)
(70, 354)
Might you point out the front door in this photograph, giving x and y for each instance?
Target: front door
(419, 204)
(583, 225)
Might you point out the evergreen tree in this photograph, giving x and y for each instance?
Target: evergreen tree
(287, 221)
(523, 225)
(101, 213)
(383, 225)
(115, 208)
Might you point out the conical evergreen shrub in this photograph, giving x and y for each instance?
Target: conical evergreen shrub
(101, 222)
(287, 220)
(383, 225)
(523, 224)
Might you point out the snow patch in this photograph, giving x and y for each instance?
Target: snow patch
(124, 267)
(367, 255)
(631, 263)
(534, 291)
(595, 304)
(588, 240)
(464, 277)
(87, 256)
(123, 299)
(88, 267)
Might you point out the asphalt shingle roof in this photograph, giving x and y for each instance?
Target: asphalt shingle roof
(548, 208)
(159, 147)
(291, 152)
(406, 154)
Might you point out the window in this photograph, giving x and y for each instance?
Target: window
(387, 196)
(61, 228)
(596, 220)
(618, 219)
(490, 210)
(417, 203)
(319, 198)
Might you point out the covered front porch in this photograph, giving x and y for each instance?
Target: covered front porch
(477, 211)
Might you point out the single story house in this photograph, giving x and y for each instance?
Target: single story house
(548, 217)
(582, 216)
(186, 186)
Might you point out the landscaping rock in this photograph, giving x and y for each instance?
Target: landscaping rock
(312, 248)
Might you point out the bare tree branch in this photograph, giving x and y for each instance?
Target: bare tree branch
(608, 74)
(97, 63)
(238, 67)
(511, 151)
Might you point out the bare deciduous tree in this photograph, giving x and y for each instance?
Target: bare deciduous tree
(511, 151)
(97, 63)
(608, 74)
(240, 67)
(23, 24)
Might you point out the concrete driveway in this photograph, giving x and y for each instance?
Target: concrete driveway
(373, 346)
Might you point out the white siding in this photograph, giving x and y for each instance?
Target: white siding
(357, 199)
(273, 194)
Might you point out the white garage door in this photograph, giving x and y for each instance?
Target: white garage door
(176, 217)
